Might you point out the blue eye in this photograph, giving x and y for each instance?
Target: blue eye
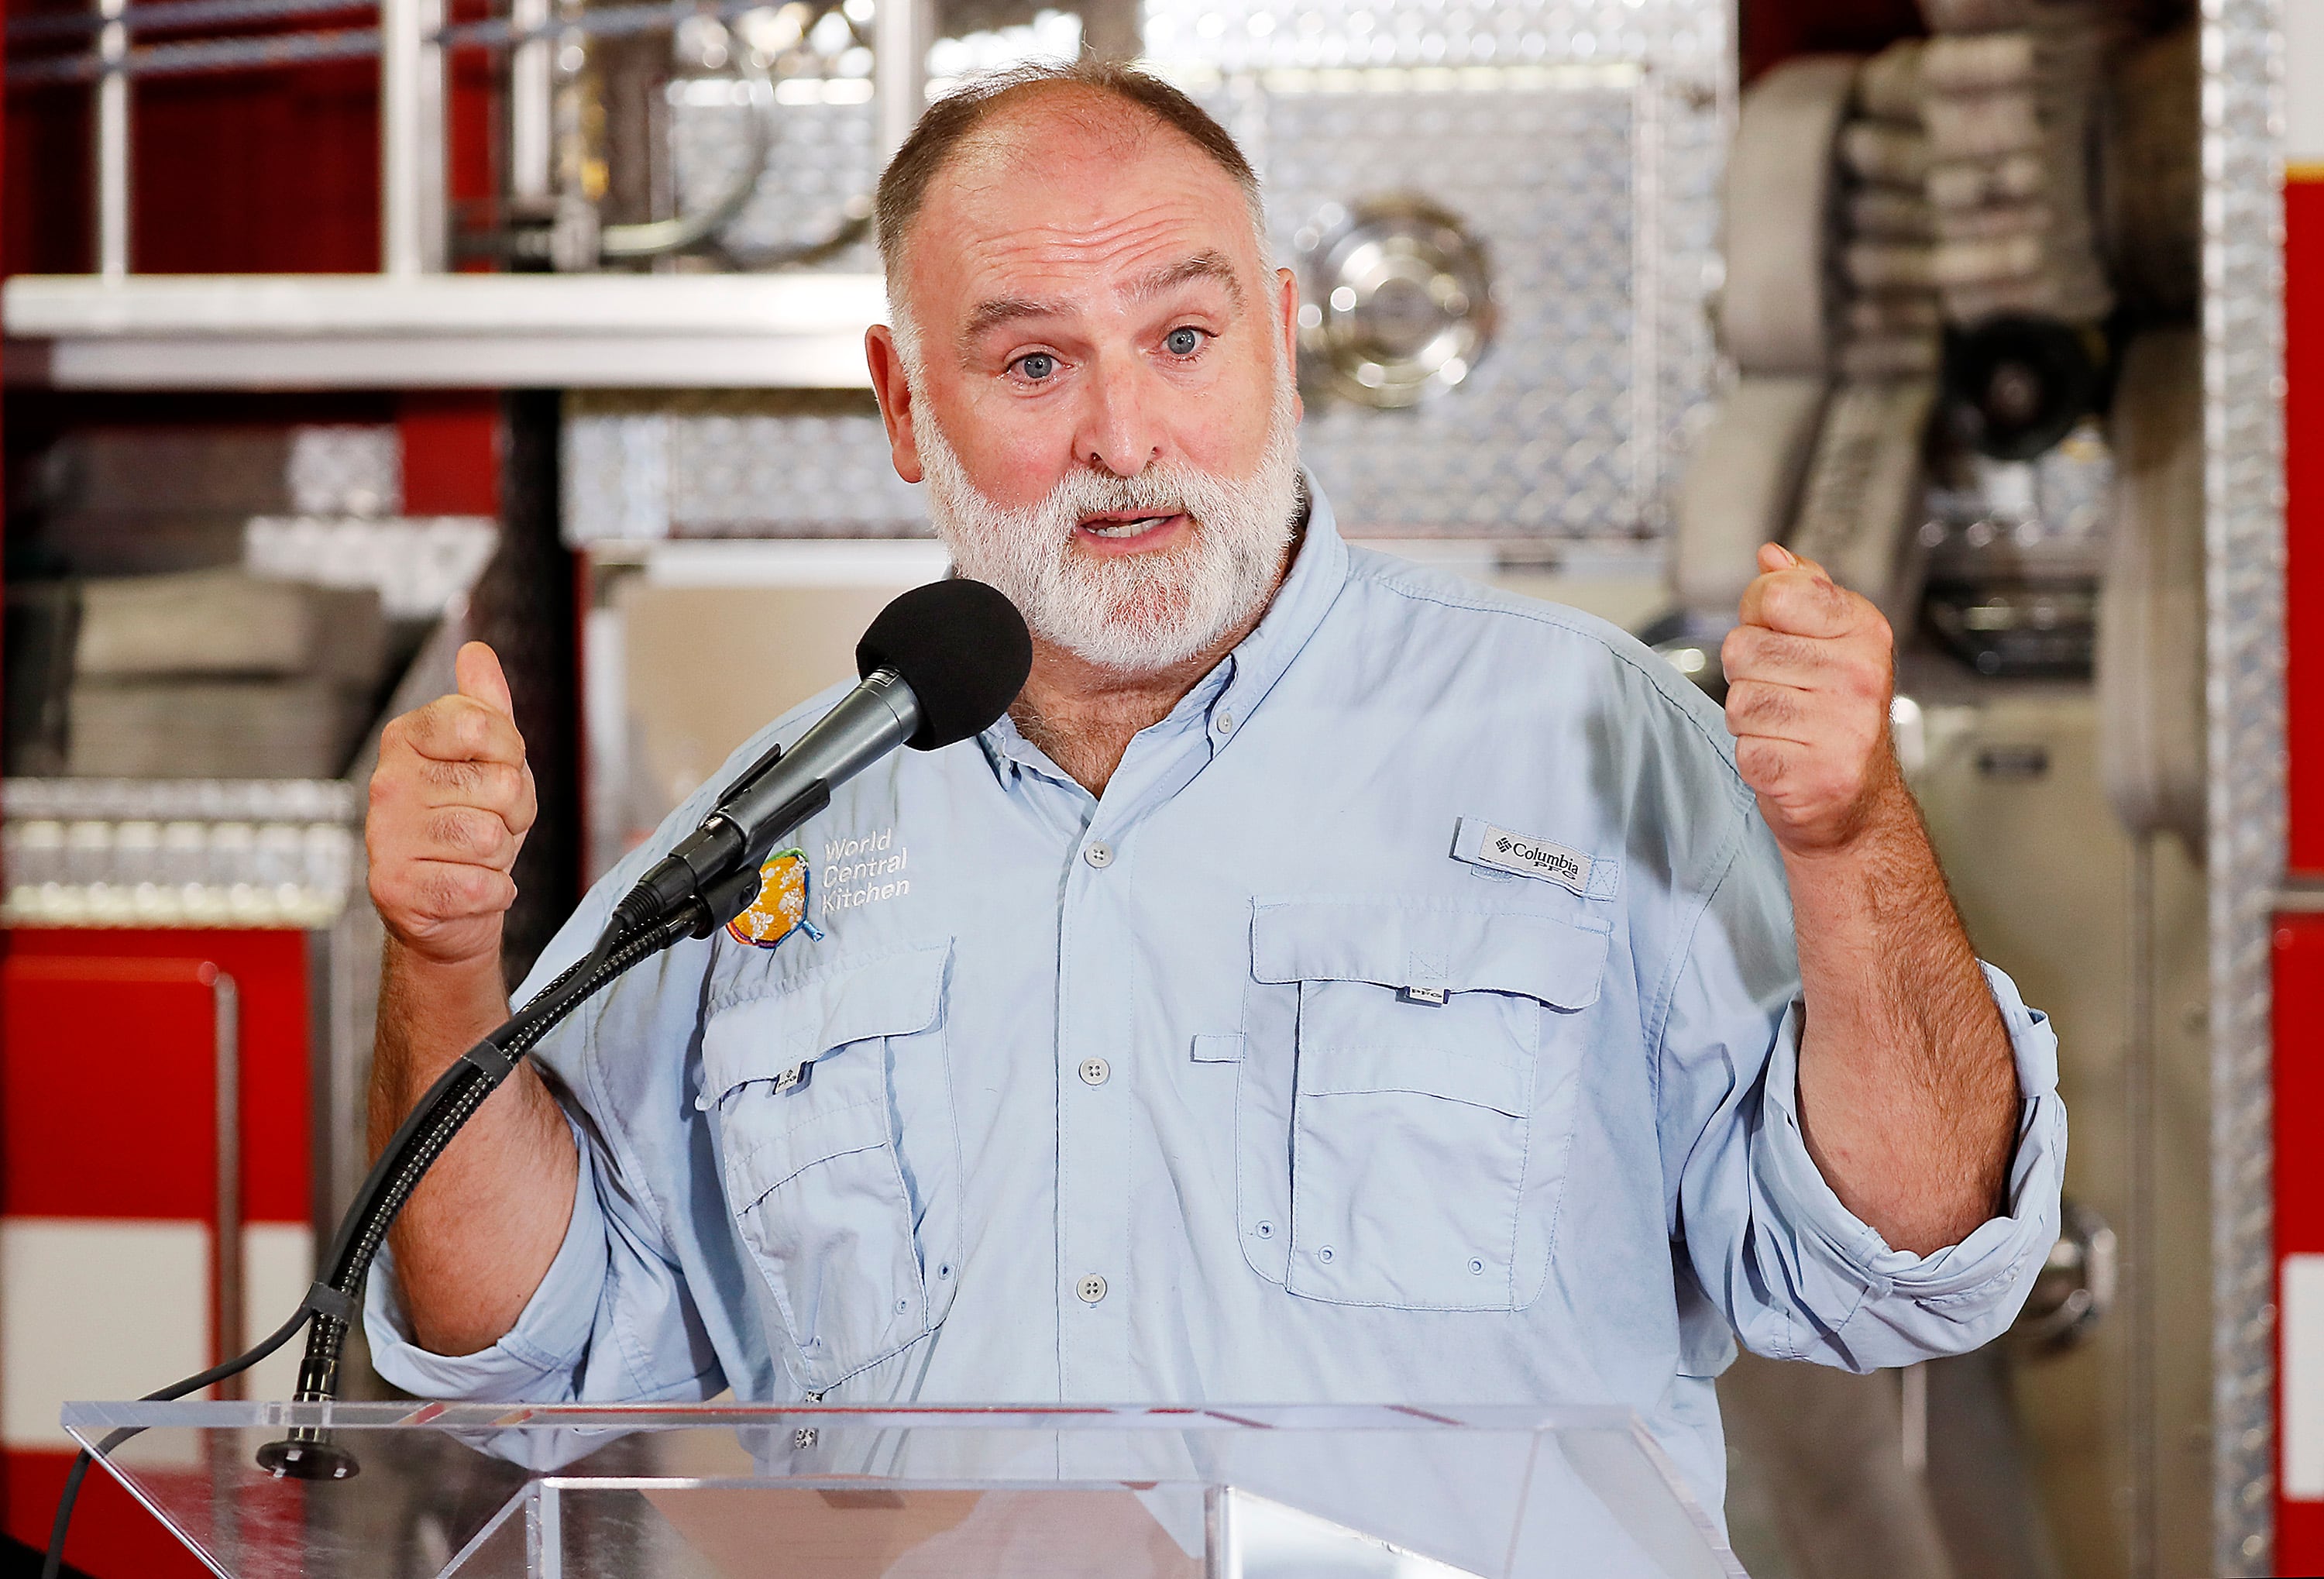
(1037, 366)
(1182, 342)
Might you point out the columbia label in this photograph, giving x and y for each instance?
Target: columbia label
(1534, 858)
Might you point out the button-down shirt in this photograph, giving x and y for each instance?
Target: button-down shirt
(1414, 1018)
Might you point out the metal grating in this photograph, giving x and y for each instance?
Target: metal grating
(825, 156)
(731, 463)
(179, 852)
(1585, 143)
(2243, 331)
(1541, 439)
(1258, 35)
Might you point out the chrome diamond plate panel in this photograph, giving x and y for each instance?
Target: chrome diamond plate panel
(1584, 142)
(1541, 438)
(825, 154)
(1258, 35)
(769, 463)
(2242, 330)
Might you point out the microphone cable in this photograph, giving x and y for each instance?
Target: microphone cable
(307, 1452)
(243, 1362)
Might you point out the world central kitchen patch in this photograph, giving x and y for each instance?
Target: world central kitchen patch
(780, 908)
(1498, 849)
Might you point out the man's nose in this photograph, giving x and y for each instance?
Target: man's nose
(1119, 429)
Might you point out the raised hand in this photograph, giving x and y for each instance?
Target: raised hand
(1810, 674)
(450, 804)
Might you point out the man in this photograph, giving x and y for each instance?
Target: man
(1331, 980)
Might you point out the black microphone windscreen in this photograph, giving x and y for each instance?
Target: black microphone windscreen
(961, 646)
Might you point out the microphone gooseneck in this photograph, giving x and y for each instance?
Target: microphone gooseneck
(939, 664)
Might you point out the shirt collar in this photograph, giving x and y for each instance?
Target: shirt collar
(1318, 571)
(1233, 688)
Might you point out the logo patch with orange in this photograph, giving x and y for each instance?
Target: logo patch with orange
(780, 908)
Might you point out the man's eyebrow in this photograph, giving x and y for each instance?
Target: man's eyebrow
(1004, 309)
(1208, 265)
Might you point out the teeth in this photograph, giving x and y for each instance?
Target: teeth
(1117, 528)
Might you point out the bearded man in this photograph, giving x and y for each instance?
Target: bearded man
(1331, 980)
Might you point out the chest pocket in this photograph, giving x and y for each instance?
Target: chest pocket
(841, 1156)
(1407, 1099)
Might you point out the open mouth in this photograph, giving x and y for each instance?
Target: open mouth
(1123, 528)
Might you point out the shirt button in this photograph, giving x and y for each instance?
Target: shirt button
(1225, 721)
(1091, 1289)
(1098, 854)
(1095, 1071)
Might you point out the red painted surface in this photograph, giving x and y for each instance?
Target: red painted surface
(2300, 939)
(113, 1538)
(127, 1017)
(1768, 32)
(2303, 477)
(267, 173)
(140, 1032)
(451, 452)
(472, 127)
(271, 172)
(45, 210)
(93, 1038)
(127, 1041)
(2299, 1167)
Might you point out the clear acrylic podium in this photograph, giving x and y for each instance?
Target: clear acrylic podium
(746, 1491)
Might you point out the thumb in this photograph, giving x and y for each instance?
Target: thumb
(478, 671)
(1775, 558)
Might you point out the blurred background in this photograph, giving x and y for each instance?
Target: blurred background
(339, 332)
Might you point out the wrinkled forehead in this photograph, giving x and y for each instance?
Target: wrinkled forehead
(1069, 201)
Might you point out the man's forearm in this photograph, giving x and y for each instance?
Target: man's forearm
(481, 1231)
(1907, 1082)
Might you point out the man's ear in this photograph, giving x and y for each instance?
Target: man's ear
(895, 392)
(1287, 292)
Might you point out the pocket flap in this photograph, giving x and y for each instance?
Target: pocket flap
(849, 1001)
(1421, 945)
(1429, 1071)
(782, 1155)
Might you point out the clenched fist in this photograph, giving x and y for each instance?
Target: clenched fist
(1810, 674)
(450, 804)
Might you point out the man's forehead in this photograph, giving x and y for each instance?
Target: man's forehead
(1069, 196)
(1061, 130)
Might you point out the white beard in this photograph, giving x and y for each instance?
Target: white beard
(1140, 612)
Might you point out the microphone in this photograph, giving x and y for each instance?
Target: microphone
(939, 664)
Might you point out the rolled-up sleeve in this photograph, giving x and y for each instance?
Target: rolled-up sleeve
(541, 1357)
(1795, 1273)
(611, 1322)
(1907, 1307)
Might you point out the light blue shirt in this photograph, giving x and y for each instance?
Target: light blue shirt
(1413, 1018)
